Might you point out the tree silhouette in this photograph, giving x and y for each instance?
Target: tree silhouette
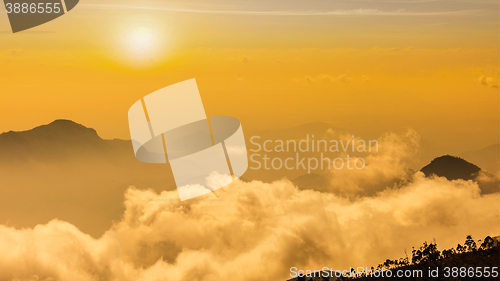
(488, 243)
(428, 254)
(448, 253)
(470, 244)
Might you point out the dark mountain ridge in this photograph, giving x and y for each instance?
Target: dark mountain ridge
(455, 168)
(65, 170)
(452, 168)
(59, 140)
(60, 129)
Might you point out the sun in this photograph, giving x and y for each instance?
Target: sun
(141, 44)
(142, 41)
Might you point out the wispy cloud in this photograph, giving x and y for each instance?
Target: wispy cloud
(325, 77)
(340, 12)
(488, 81)
(10, 54)
(244, 59)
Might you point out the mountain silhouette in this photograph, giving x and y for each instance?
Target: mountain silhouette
(59, 140)
(452, 168)
(455, 168)
(65, 170)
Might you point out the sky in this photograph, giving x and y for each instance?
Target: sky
(421, 76)
(366, 66)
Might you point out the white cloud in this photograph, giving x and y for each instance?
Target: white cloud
(385, 167)
(256, 231)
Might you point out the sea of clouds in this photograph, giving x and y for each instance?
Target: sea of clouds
(258, 231)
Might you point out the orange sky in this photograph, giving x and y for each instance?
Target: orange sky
(425, 72)
(368, 67)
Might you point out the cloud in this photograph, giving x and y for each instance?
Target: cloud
(255, 231)
(11, 54)
(339, 12)
(387, 166)
(258, 231)
(488, 81)
(324, 77)
(487, 182)
(243, 59)
(14, 52)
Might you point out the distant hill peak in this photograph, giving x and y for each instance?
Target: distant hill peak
(65, 127)
(452, 168)
(452, 159)
(59, 140)
(60, 129)
(65, 123)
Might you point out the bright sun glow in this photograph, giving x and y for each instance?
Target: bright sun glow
(141, 45)
(142, 41)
